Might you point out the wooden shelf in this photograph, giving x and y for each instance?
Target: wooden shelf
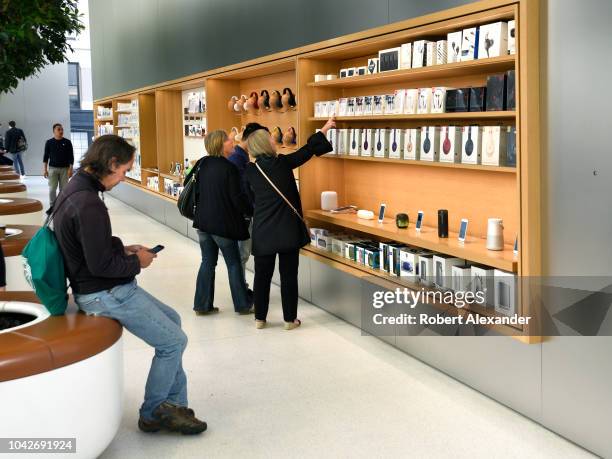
(110, 118)
(176, 178)
(472, 249)
(457, 69)
(193, 115)
(134, 181)
(463, 116)
(149, 170)
(411, 162)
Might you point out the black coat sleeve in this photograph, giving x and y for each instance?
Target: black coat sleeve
(47, 152)
(70, 153)
(317, 145)
(2, 268)
(239, 198)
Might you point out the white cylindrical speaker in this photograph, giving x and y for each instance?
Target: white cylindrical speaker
(329, 200)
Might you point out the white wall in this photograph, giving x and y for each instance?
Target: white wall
(35, 105)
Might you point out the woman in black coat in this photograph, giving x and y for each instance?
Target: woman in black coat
(277, 229)
(221, 205)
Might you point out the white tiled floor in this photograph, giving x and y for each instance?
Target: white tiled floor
(323, 390)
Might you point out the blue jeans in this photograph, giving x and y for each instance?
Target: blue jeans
(156, 324)
(205, 287)
(245, 250)
(18, 163)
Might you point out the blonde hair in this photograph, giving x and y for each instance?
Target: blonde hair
(213, 142)
(259, 144)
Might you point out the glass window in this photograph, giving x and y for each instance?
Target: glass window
(73, 74)
(80, 143)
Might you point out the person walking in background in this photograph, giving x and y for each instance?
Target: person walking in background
(221, 206)
(102, 273)
(278, 225)
(58, 161)
(16, 144)
(240, 159)
(2, 270)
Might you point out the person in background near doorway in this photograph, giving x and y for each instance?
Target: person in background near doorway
(4, 160)
(240, 159)
(2, 271)
(58, 161)
(16, 144)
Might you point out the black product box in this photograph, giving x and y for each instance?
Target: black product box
(496, 92)
(510, 90)
(457, 100)
(186, 129)
(478, 99)
(511, 146)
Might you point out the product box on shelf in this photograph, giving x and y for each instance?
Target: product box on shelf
(496, 92)
(443, 270)
(471, 140)
(431, 55)
(355, 142)
(372, 65)
(457, 100)
(389, 104)
(478, 99)
(367, 142)
(389, 59)
(395, 262)
(332, 108)
(482, 281)
(510, 90)
(342, 142)
(350, 249)
(461, 278)
(511, 146)
(406, 56)
(332, 138)
(511, 37)
(368, 105)
(419, 54)
(383, 250)
(441, 52)
(426, 269)
(469, 44)
(438, 100)
(359, 106)
(424, 104)
(409, 263)
(493, 40)
(494, 146)
(360, 253)
(396, 139)
(350, 106)
(377, 109)
(453, 49)
(314, 232)
(343, 73)
(400, 100)
(351, 71)
(505, 292)
(430, 141)
(372, 256)
(324, 242)
(342, 106)
(412, 141)
(411, 101)
(337, 244)
(381, 146)
(450, 144)
(362, 70)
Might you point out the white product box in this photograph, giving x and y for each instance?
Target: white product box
(332, 108)
(372, 65)
(314, 232)
(317, 110)
(419, 54)
(362, 70)
(424, 104)
(400, 99)
(494, 141)
(430, 141)
(469, 44)
(324, 242)
(441, 51)
(332, 137)
(470, 144)
(438, 100)
(482, 281)
(351, 71)
(354, 142)
(343, 73)
(396, 139)
(426, 269)
(337, 243)
(389, 59)
(411, 101)
(450, 144)
(412, 140)
(359, 106)
(493, 40)
(460, 278)
(442, 265)
(505, 292)
(389, 104)
(395, 251)
(431, 56)
(378, 105)
(381, 145)
(343, 141)
(453, 50)
(342, 106)
(409, 263)
(350, 107)
(367, 142)
(511, 37)
(406, 56)
(368, 105)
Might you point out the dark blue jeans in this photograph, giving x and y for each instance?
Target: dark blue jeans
(18, 163)
(205, 288)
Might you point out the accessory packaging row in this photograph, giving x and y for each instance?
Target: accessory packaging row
(485, 145)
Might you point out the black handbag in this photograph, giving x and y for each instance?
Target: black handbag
(188, 199)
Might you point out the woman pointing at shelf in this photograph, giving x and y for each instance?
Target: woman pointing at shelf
(278, 225)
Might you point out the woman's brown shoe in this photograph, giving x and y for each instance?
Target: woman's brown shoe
(292, 325)
(259, 324)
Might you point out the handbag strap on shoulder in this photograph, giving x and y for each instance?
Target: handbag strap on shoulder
(280, 193)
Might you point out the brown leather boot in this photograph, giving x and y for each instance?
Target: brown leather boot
(174, 419)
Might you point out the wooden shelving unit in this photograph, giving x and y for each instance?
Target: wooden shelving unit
(466, 117)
